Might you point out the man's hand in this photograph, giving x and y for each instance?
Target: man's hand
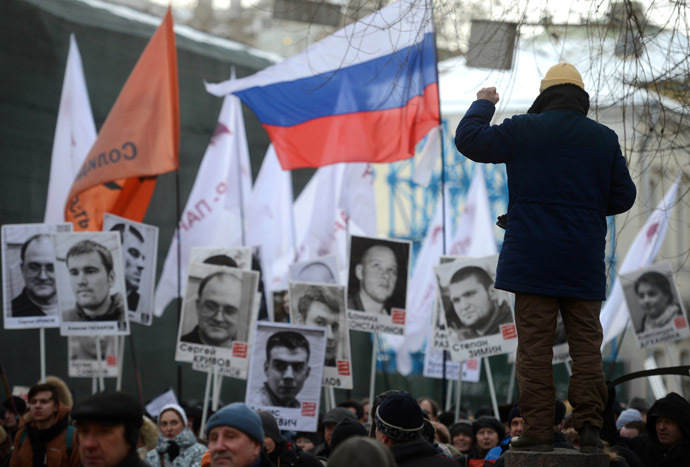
(489, 94)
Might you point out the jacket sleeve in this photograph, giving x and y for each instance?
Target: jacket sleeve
(622, 192)
(480, 141)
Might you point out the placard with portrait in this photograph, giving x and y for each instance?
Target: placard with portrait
(323, 305)
(286, 373)
(91, 284)
(29, 286)
(377, 285)
(82, 354)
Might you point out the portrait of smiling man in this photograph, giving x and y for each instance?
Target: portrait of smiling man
(218, 306)
(475, 309)
(92, 276)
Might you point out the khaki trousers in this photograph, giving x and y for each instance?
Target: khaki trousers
(535, 317)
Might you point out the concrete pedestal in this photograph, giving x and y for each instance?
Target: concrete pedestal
(556, 458)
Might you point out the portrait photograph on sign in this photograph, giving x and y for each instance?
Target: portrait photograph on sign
(29, 288)
(656, 310)
(323, 305)
(479, 320)
(139, 249)
(323, 270)
(561, 351)
(239, 257)
(217, 315)
(82, 352)
(91, 284)
(286, 372)
(377, 284)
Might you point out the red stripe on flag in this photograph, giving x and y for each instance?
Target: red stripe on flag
(381, 136)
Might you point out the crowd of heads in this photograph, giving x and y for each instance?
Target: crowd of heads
(113, 426)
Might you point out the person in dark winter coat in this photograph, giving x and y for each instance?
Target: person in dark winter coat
(108, 425)
(330, 420)
(177, 446)
(566, 173)
(667, 441)
(278, 450)
(399, 424)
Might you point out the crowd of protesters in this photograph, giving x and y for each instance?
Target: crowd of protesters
(112, 429)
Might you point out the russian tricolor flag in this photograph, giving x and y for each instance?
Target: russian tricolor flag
(367, 93)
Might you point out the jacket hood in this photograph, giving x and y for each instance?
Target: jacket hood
(64, 392)
(673, 407)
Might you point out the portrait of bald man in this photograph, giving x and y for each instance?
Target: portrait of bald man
(378, 275)
(37, 267)
(221, 318)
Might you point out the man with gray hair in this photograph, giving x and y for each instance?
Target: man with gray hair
(38, 297)
(91, 274)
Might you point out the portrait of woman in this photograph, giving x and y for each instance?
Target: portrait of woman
(657, 301)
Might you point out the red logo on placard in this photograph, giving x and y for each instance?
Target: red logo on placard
(472, 364)
(343, 368)
(111, 360)
(239, 349)
(680, 322)
(398, 316)
(508, 331)
(309, 409)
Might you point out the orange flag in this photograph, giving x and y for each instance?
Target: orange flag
(139, 140)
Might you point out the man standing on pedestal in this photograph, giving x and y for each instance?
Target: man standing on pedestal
(566, 173)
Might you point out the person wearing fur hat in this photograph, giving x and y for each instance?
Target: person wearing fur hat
(279, 451)
(566, 173)
(399, 424)
(45, 439)
(177, 446)
(148, 437)
(235, 436)
(108, 425)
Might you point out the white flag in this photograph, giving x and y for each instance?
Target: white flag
(357, 198)
(75, 133)
(614, 315)
(270, 220)
(212, 215)
(428, 156)
(475, 233)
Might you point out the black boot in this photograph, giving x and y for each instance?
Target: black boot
(528, 443)
(590, 442)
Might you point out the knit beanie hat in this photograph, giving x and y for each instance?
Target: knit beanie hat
(628, 415)
(400, 417)
(463, 426)
(238, 415)
(489, 422)
(563, 73)
(270, 426)
(176, 408)
(344, 429)
(514, 412)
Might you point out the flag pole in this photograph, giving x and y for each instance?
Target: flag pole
(120, 365)
(99, 367)
(178, 216)
(137, 374)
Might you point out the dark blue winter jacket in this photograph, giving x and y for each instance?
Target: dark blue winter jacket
(565, 173)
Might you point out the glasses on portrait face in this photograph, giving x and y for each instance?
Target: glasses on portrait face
(209, 308)
(281, 366)
(34, 269)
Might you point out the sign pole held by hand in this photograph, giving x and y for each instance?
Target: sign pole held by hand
(458, 392)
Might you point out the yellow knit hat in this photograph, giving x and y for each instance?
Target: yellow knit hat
(563, 73)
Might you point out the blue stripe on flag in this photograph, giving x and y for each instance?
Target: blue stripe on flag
(383, 83)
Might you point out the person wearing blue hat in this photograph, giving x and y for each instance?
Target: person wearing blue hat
(235, 436)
